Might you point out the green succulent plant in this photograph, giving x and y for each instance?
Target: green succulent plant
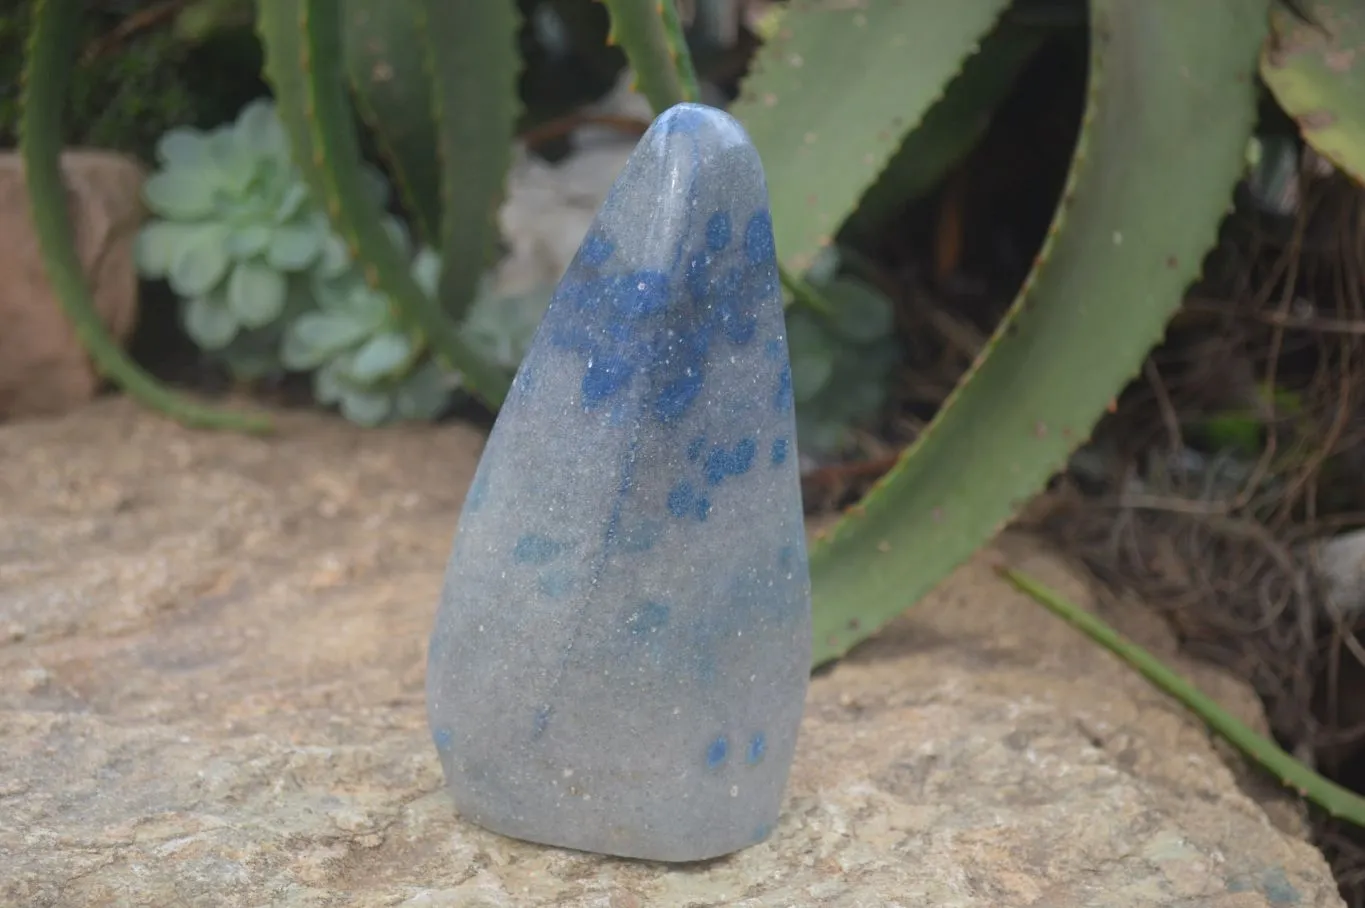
(503, 326)
(363, 360)
(237, 235)
(841, 363)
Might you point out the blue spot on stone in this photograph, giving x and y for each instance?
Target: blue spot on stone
(735, 307)
(443, 738)
(703, 508)
(762, 831)
(718, 231)
(555, 584)
(786, 557)
(533, 548)
(773, 349)
(741, 329)
(716, 753)
(742, 458)
(647, 619)
(638, 295)
(716, 463)
(782, 398)
(696, 279)
(694, 447)
(596, 250)
(721, 463)
(680, 499)
(606, 376)
(678, 396)
(541, 721)
(758, 238)
(779, 452)
(758, 746)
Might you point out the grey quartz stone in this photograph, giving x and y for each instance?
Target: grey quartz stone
(620, 659)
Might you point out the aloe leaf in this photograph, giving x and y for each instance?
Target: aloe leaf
(472, 61)
(209, 322)
(385, 59)
(953, 125)
(256, 294)
(201, 19)
(52, 45)
(302, 41)
(1331, 797)
(650, 33)
(1316, 70)
(280, 29)
(826, 125)
(1171, 102)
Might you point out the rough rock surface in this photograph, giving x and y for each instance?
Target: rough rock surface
(43, 367)
(211, 684)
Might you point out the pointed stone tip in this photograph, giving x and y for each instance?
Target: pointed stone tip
(675, 285)
(709, 124)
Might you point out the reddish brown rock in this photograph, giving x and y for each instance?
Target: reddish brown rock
(44, 369)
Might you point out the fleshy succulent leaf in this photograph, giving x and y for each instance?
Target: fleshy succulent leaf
(156, 246)
(180, 195)
(293, 247)
(201, 259)
(256, 294)
(208, 322)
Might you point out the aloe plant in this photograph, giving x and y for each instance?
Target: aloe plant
(1117, 258)
(471, 60)
(1315, 66)
(304, 63)
(387, 70)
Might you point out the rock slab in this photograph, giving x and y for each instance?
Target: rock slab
(211, 694)
(44, 369)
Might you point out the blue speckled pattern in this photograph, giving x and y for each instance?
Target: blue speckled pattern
(621, 656)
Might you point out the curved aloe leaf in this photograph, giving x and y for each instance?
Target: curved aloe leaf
(471, 57)
(953, 126)
(1170, 106)
(385, 60)
(1316, 71)
(1331, 797)
(47, 73)
(302, 41)
(280, 29)
(832, 95)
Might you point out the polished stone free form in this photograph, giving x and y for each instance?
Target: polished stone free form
(621, 655)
